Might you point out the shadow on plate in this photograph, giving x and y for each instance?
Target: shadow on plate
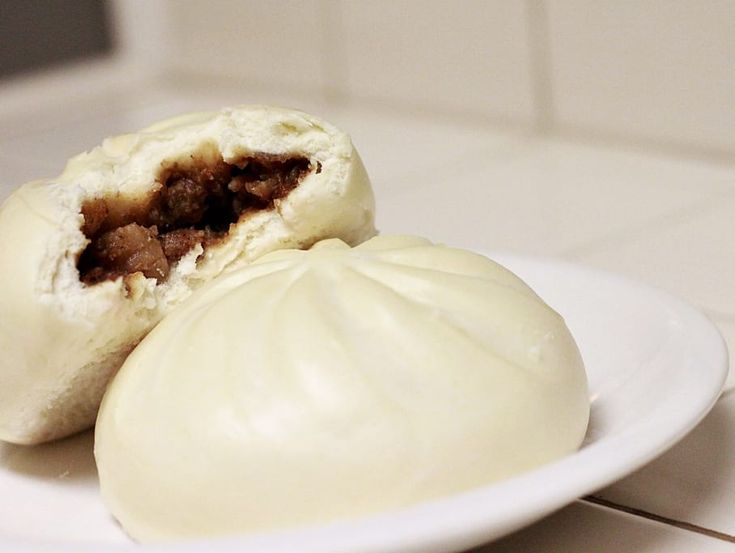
(70, 460)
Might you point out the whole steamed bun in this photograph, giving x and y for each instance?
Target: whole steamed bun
(64, 333)
(336, 382)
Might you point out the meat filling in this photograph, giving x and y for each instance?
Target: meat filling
(193, 204)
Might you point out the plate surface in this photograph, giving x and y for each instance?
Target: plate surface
(655, 367)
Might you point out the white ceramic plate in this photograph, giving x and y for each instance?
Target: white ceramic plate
(655, 368)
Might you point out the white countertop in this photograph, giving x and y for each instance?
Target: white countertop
(667, 221)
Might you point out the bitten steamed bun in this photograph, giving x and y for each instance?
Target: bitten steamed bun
(336, 382)
(93, 259)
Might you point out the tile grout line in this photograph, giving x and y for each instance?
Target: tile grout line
(334, 63)
(661, 519)
(540, 65)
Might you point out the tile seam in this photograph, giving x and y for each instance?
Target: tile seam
(687, 526)
(540, 65)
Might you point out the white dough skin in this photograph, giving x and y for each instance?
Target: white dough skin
(61, 341)
(333, 383)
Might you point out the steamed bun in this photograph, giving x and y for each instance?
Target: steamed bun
(337, 382)
(94, 258)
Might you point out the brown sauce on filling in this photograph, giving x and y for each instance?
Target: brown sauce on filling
(195, 203)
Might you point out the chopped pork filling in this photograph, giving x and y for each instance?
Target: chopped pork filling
(194, 204)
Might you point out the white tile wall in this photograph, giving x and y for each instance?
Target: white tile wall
(657, 73)
(142, 33)
(470, 57)
(659, 69)
(278, 43)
